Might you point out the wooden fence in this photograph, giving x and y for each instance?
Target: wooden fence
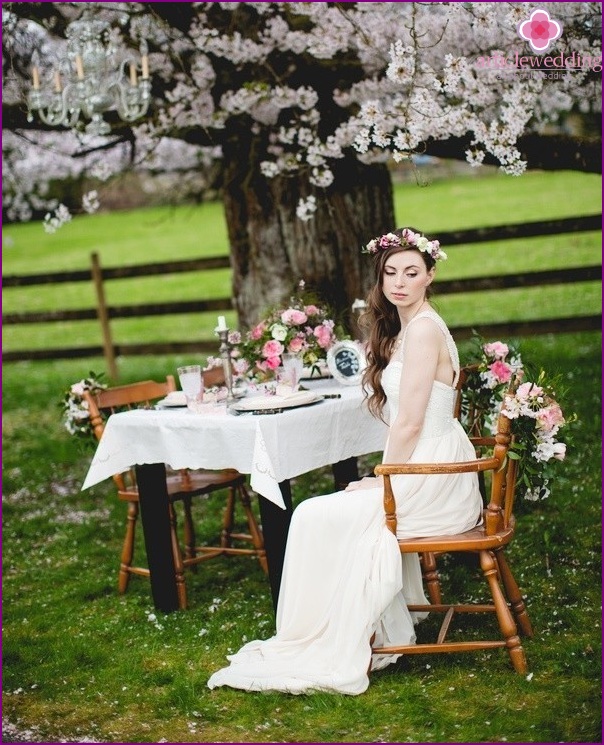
(105, 314)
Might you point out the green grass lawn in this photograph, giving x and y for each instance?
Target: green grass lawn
(82, 664)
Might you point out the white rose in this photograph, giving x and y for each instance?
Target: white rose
(278, 332)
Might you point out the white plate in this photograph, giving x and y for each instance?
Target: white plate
(277, 403)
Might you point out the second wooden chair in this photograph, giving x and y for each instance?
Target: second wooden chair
(182, 486)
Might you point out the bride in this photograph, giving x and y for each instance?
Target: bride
(344, 578)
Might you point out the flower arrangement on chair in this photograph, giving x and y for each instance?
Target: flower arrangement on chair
(533, 409)
(303, 327)
(76, 416)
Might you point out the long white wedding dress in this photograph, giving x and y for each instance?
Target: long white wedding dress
(344, 577)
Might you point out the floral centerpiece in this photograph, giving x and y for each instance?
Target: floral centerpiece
(535, 414)
(303, 326)
(76, 416)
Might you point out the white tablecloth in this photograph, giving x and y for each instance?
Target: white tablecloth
(271, 448)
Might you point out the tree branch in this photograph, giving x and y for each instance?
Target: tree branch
(544, 152)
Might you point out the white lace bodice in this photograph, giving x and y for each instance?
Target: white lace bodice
(439, 412)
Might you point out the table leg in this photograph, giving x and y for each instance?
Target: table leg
(155, 519)
(344, 472)
(275, 526)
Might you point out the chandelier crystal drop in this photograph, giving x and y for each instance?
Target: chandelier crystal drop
(93, 77)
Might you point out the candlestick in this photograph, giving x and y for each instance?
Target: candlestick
(221, 323)
(133, 75)
(35, 76)
(145, 66)
(225, 353)
(79, 67)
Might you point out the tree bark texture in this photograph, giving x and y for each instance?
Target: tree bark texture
(272, 249)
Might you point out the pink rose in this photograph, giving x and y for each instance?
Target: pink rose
(273, 363)
(323, 336)
(550, 417)
(272, 348)
(293, 317)
(296, 344)
(528, 389)
(257, 331)
(311, 310)
(501, 371)
(497, 349)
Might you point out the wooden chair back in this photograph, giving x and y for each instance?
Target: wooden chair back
(137, 395)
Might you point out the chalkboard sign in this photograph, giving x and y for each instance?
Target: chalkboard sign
(346, 362)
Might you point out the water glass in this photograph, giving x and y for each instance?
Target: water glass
(191, 382)
(293, 365)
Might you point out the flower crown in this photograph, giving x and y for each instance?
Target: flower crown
(407, 239)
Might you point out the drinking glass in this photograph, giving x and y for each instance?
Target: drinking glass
(293, 365)
(191, 382)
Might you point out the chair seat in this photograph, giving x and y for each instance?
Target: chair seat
(189, 483)
(475, 539)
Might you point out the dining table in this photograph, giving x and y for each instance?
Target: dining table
(271, 445)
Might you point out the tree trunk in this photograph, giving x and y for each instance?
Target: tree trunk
(272, 249)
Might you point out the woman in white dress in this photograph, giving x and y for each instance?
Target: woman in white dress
(344, 578)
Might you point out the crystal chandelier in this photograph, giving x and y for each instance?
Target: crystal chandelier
(90, 80)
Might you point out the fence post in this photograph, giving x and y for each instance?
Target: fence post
(103, 315)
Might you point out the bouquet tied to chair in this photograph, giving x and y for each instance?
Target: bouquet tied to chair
(531, 405)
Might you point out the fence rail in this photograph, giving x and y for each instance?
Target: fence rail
(105, 314)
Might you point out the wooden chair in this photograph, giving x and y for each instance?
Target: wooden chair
(182, 486)
(488, 541)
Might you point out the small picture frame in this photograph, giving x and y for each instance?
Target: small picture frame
(346, 362)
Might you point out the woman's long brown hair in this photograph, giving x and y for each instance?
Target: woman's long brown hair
(382, 319)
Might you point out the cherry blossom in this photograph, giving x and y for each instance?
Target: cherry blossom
(318, 82)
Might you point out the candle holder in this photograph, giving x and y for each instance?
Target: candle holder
(225, 353)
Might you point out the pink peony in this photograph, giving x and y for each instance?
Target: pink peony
(501, 371)
(497, 349)
(272, 348)
(273, 362)
(293, 317)
(311, 310)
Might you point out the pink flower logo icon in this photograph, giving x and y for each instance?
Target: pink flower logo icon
(540, 30)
